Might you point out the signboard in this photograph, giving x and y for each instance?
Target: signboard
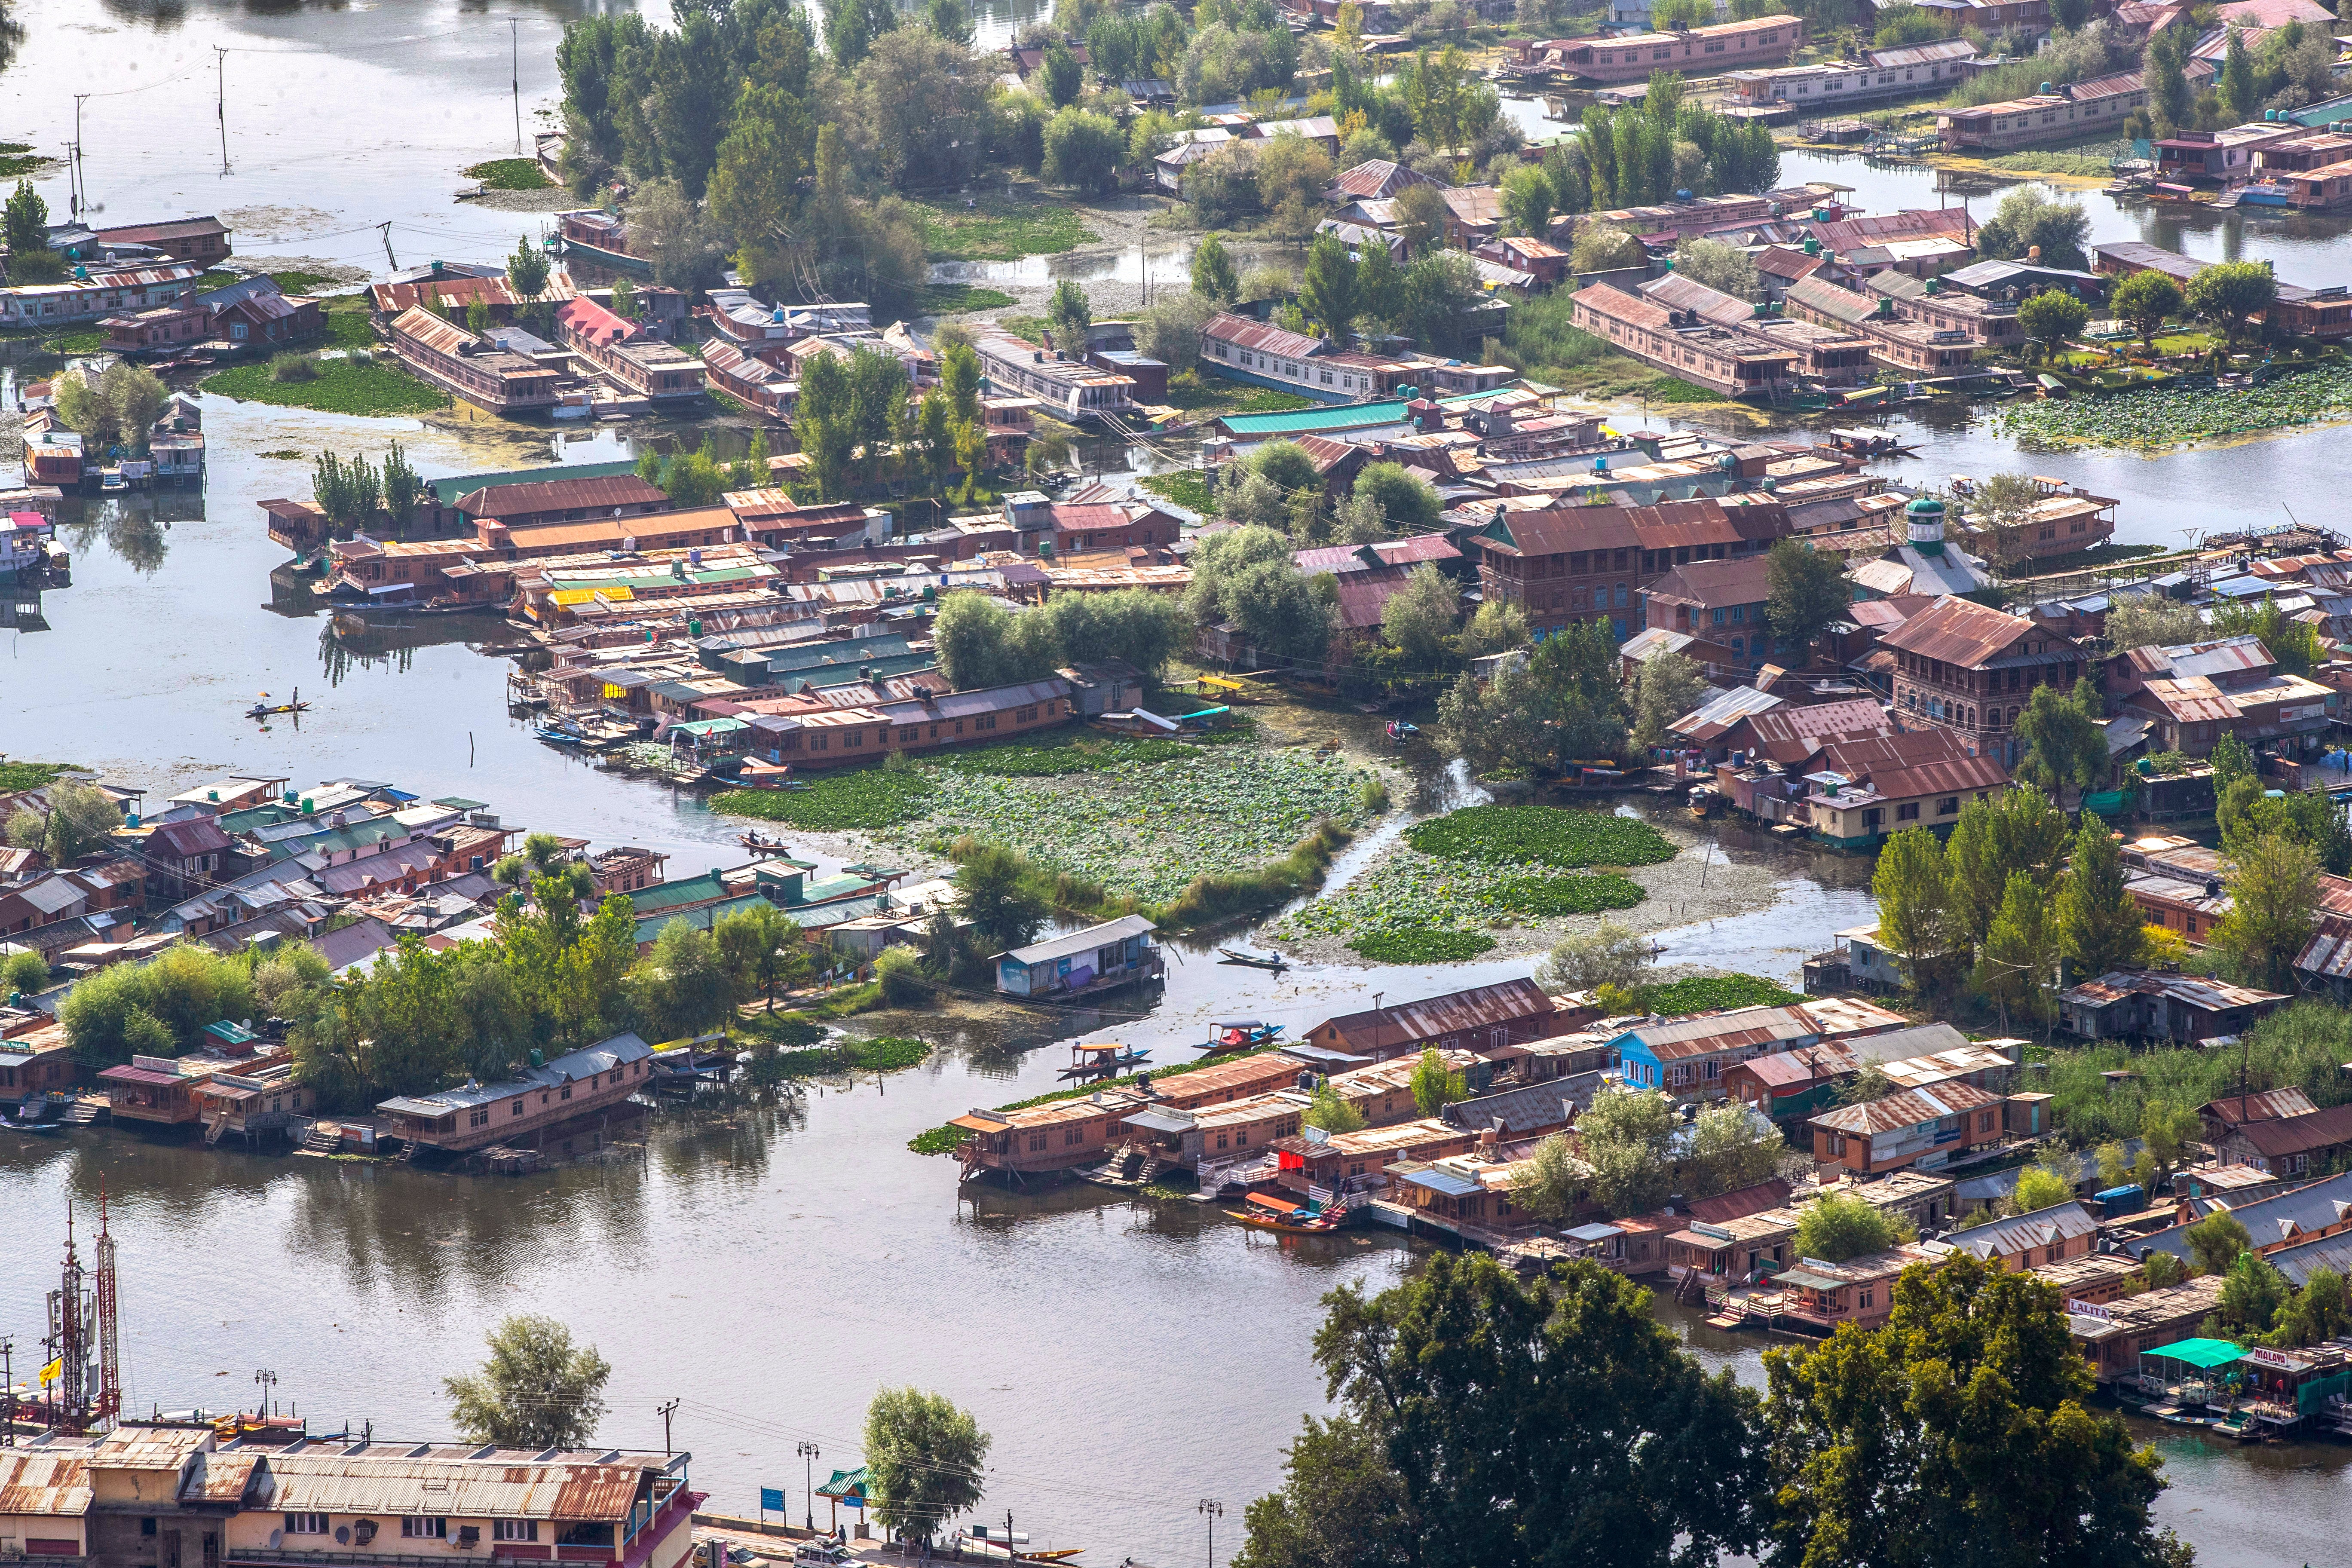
(2077, 1308)
(2277, 1359)
(772, 1498)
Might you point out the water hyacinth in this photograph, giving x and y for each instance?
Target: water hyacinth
(2170, 415)
(1545, 835)
(1414, 892)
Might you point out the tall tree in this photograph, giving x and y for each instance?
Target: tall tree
(2018, 966)
(926, 1456)
(2145, 300)
(1914, 902)
(1326, 289)
(2062, 740)
(1510, 1426)
(537, 1390)
(2019, 830)
(1071, 316)
(2230, 293)
(2274, 904)
(2100, 927)
(26, 221)
(1623, 1137)
(1963, 1418)
(1213, 277)
(1805, 590)
(1667, 686)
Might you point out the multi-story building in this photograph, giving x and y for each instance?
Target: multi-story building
(1988, 323)
(1566, 564)
(1908, 345)
(1970, 668)
(1684, 344)
(2075, 109)
(1695, 51)
(1831, 85)
(627, 353)
(469, 367)
(125, 290)
(1072, 388)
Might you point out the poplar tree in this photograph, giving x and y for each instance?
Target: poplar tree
(1914, 910)
(2274, 898)
(2019, 831)
(2100, 929)
(2018, 951)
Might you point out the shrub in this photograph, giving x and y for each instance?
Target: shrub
(293, 367)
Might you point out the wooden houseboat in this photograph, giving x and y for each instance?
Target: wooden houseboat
(544, 1095)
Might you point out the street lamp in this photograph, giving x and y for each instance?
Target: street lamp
(808, 1472)
(264, 1379)
(1211, 1510)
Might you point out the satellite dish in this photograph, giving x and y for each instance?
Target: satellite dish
(275, 1536)
(342, 1535)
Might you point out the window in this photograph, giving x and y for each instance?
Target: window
(416, 1528)
(1949, 807)
(1908, 812)
(1862, 1298)
(518, 1108)
(479, 1117)
(306, 1524)
(514, 1529)
(566, 1091)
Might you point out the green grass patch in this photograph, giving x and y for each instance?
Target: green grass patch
(16, 778)
(1001, 228)
(868, 798)
(956, 298)
(1188, 488)
(341, 386)
(77, 341)
(1707, 993)
(1422, 945)
(850, 1054)
(511, 174)
(1032, 328)
(348, 329)
(216, 278)
(2052, 163)
(19, 158)
(1672, 389)
(300, 282)
(1543, 835)
(1575, 895)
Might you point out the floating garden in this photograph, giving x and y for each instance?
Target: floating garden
(2168, 417)
(1482, 869)
(1143, 818)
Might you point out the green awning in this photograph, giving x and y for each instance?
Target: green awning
(2206, 1353)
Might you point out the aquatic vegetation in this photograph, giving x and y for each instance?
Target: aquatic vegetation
(1089, 755)
(1411, 892)
(867, 799)
(2167, 416)
(340, 386)
(1544, 835)
(1704, 993)
(1422, 945)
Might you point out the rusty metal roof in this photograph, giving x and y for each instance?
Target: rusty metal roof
(1960, 631)
(559, 495)
(2186, 989)
(148, 1447)
(1673, 1039)
(1907, 1107)
(1709, 583)
(41, 1482)
(1792, 734)
(1224, 327)
(449, 1482)
(220, 1478)
(1914, 762)
(1715, 718)
(1483, 1007)
(2235, 1110)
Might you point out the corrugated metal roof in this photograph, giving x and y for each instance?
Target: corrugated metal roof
(35, 1483)
(1483, 1007)
(589, 1062)
(2300, 1134)
(1260, 336)
(1960, 631)
(1677, 1038)
(1077, 942)
(1677, 292)
(2189, 990)
(1376, 179)
(1718, 713)
(559, 495)
(2042, 1228)
(492, 1488)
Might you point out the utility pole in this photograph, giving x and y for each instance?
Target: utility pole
(514, 56)
(264, 1379)
(80, 184)
(7, 1392)
(1211, 1510)
(665, 1410)
(808, 1473)
(386, 227)
(220, 99)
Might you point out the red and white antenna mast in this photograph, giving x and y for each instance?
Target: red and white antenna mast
(108, 1407)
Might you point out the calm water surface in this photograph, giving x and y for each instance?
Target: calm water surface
(768, 1267)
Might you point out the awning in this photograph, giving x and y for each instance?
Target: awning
(1279, 1205)
(1593, 1232)
(2206, 1353)
(1809, 1280)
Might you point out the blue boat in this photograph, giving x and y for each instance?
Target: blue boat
(555, 737)
(1242, 1034)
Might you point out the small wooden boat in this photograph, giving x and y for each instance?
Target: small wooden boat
(1242, 1034)
(1400, 732)
(755, 839)
(1103, 1060)
(1277, 963)
(265, 708)
(1271, 1213)
(555, 736)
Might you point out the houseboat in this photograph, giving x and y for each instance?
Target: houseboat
(1115, 953)
(544, 1096)
(601, 238)
(471, 368)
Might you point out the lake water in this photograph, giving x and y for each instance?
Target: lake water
(769, 1267)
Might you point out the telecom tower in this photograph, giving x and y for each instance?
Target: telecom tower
(109, 1409)
(72, 1313)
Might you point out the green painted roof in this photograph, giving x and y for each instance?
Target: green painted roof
(667, 895)
(1332, 416)
(703, 918)
(446, 491)
(2207, 1354)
